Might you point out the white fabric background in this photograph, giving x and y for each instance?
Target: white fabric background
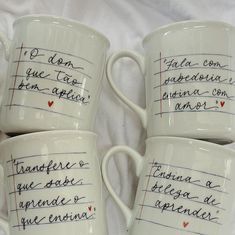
(125, 23)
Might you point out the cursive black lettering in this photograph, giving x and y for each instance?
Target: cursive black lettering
(34, 53)
(30, 73)
(67, 78)
(40, 203)
(29, 86)
(170, 190)
(198, 213)
(160, 173)
(221, 93)
(26, 186)
(34, 221)
(43, 167)
(198, 77)
(56, 60)
(209, 184)
(213, 64)
(175, 64)
(82, 163)
(68, 217)
(63, 183)
(188, 106)
(70, 95)
(211, 201)
(182, 94)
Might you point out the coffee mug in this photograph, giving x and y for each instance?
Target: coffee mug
(53, 184)
(185, 187)
(54, 75)
(189, 81)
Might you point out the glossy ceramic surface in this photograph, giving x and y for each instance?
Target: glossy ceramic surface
(185, 187)
(189, 79)
(54, 75)
(53, 184)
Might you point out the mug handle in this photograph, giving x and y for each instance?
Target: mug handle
(138, 160)
(6, 44)
(3, 222)
(5, 225)
(139, 59)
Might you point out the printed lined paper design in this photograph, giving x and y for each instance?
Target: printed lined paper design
(182, 199)
(200, 82)
(51, 189)
(55, 77)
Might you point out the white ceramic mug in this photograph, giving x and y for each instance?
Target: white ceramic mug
(54, 76)
(189, 79)
(53, 184)
(186, 186)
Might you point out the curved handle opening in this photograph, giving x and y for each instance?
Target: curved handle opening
(141, 63)
(138, 160)
(6, 44)
(4, 225)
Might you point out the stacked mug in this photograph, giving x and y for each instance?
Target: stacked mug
(186, 176)
(52, 177)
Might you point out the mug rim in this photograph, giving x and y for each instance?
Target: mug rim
(195, 142)
(46, 133)
(190, 23)
(65, 21)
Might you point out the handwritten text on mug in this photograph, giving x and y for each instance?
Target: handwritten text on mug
(55, 75)
(193, 83)
(190, 193)
(56, 191)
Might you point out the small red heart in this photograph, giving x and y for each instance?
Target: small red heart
(50, 103)
(222, 103)
(185, 224)
(89, 208)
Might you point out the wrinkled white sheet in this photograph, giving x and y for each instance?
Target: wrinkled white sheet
(125, 23)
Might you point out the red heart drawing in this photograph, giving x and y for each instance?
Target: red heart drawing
(222, 103)
(185, 224)
(50, 103)
(89, 208)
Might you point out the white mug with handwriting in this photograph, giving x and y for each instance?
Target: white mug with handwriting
(186, 186)
(54, 76)
(53, 184)
(189, 78)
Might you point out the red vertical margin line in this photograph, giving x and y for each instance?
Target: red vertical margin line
(161, 84)
(16, 73)
(145, 193)
(14, 182)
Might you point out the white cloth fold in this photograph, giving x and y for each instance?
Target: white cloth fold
(125, 23)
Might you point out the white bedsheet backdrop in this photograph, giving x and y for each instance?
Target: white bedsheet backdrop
(125, 23)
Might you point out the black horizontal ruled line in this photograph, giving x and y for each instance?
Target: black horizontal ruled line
(49, 94)
(46, 78)
(38, 172)
(46, 110)
(195, 96)
(194, 111)
(63, 53)
(46, 154)
(190, 169)
(210, 221)
(74, 221)
(47, 207)
(45, 188)
(170, 227)
(191, 200)
(193, 82)
(213, 189)
(206, 68)
(193, 54)
(199, 185)
(44, 63)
